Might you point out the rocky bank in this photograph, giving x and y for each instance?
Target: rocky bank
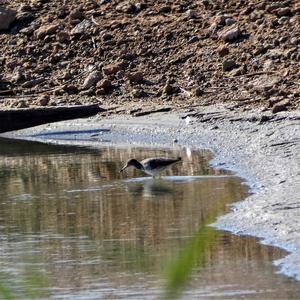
(126, 55)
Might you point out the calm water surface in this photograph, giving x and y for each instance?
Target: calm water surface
(72, 227)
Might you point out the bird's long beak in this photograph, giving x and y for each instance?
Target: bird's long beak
(123, 168)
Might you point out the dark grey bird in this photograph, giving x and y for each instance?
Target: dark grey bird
(152, 166)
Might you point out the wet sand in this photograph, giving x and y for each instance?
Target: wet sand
(260, 147)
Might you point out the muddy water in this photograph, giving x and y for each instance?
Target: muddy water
(73, 227)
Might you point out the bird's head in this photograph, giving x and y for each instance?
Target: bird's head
(131, 162)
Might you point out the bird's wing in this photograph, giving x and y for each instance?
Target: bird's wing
(159, 162)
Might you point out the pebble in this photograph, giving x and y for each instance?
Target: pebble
(280, 106)
(104, 84)
(7, 16)
(71, 89)
(199, 92)
(223, 51)
(106, 36)
(191, 14)
(33, 82)
(138, 93)
(136, 77)
(46, 30)
(230, 35)
(43, 100)
(91, 80)
(112, 69)
(76, 14)
(168, 89)
(268, 65)
(165, 9)
(22, 104)
(228, 65)
(81, 28)
(230, 21)
(281, 12)
(128, 8)
(63, 37)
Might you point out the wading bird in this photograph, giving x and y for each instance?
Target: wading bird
(152, 166)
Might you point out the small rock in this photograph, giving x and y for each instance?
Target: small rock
(106, 36)
(91, 80)
(228, 65)
(136, 77)
(192, 14)
(263, 119)
(104, 84)
(199, 92)
(128, 8)
(7, 16)
(18, 75)
(213, 28)
(63, 37)
(223, 51)
(76, 14)
(238, 71)
(46, 30)
(280, 106)
(27, 30)
(268, 65)
(43, 100)
(71, 89)
(218, 20)
(138, 93)
(113, 68)
(22, 104)
(231, 34)
(229, 21)
(205, 3)
(81, 28)
(89, 92)
(168, 89)
(281, 12)
(295, 40)
(33, 82)
(165, 9)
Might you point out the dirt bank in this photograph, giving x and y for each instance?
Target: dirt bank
(132, 54)
(261, 147)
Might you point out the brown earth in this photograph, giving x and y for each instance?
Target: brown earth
(150, 54)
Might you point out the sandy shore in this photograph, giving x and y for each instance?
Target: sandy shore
(260, 147)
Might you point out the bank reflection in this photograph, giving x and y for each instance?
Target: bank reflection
(95, 229)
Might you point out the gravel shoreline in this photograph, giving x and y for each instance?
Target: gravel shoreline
(264, 149)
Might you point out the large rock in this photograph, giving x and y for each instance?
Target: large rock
(7, 16)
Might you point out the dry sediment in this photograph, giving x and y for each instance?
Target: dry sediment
(127, 55)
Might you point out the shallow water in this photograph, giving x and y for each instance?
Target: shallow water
(72, 227)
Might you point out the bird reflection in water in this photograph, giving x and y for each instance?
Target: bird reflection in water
(148, 188)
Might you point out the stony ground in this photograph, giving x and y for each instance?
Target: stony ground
(145, 54)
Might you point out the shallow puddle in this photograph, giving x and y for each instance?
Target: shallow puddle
(73, 227)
